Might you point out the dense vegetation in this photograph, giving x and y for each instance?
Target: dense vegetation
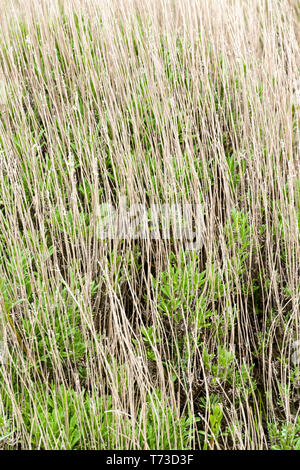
(142, 343)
